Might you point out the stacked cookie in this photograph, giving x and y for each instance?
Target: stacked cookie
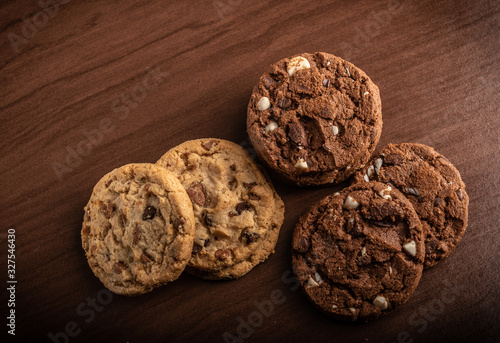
(205, 205)
(315, 119)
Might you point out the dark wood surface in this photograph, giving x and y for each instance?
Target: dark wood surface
(83, 70)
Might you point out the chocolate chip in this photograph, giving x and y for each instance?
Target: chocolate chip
(394, 159)
(222, 254)
(232, 183)
(179, 222)
(137, 235)
(252, 196)
(196, 194)
(149, 213)
(353, 228)
(207, 220)
(284, 103)
(381, 223)
(208, 145)
(249, 185)
(206, 242)
(460, 194)
(268, 82)
(196, 249)
(242, 206)
(326, 82)
(107, 209)
(86, 230)
(250, 237)
(302, 245)
(118, 267)
(297, 133)
(233, 167)
(109, 182)
(145, 258)
(123, 219)
(303, 89)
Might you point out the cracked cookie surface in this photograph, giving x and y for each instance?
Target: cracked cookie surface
(314, 118)
(359, 253)
(238, 213)
(138, 229)
(433, 186)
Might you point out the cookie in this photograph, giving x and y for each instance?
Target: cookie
(138, 229)
(238, 213)
(359, 254)
(434, 187)
(314, 118)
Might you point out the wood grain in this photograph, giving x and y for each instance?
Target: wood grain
(84, 73)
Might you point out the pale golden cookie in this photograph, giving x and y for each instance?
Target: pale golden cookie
(138, 228)
(238, 213)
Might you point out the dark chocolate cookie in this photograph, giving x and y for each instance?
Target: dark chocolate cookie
(315, 118)
(434, 187)
(359, 254)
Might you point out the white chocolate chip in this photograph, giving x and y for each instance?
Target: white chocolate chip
(369, 171)
(378, 163)
(271, 126)
(334, 306)
(318, 278)
(366, 93)
(311, 283)
(348, 167)
(363, 251)
(328, 63)
(348, 73)
(263, 103)
(390, 270)
(301, 164)
(411, 248)
(367, 179)
(350, 203)
(384, 193)
(297, 63)
(335, 130)
(380, 302)
(354, 312)
(336, 193)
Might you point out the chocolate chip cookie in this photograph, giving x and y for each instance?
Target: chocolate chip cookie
(314, 118)
(359, 254)
(434, 187)
(138, 229)
(238, 214)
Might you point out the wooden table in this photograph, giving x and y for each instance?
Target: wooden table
(88, 86)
